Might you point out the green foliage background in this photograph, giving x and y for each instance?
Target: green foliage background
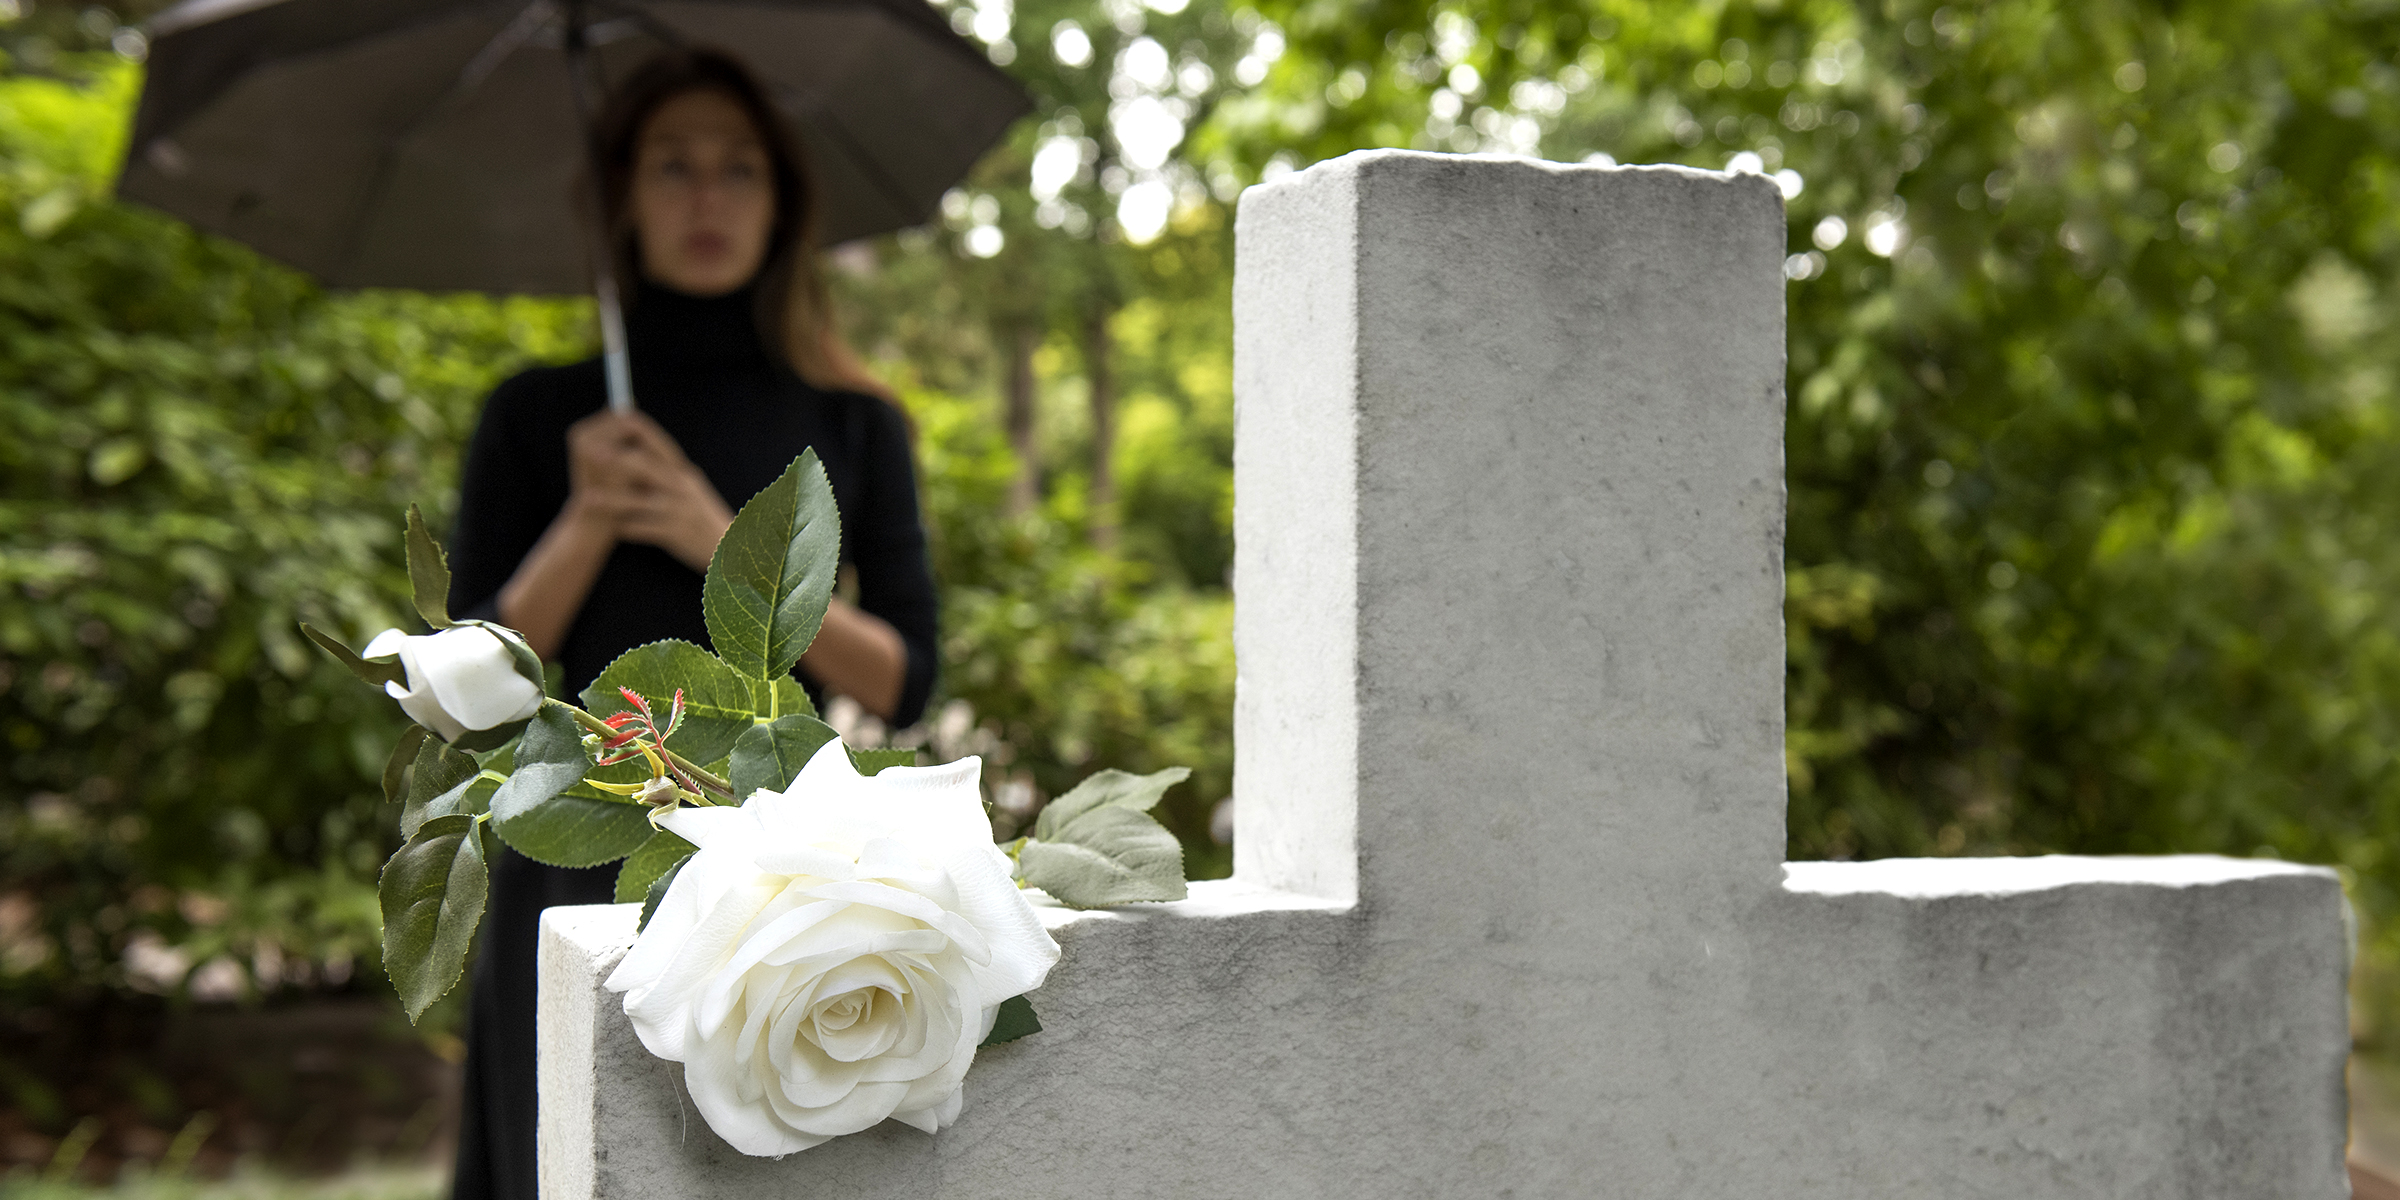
(2091, 449)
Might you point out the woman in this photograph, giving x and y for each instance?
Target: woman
(588, 530)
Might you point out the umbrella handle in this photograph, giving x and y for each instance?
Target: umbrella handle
(581, 80)
(612, 339)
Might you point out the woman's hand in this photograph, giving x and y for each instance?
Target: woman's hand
(627, 475)
(626, 481)
(541, 598)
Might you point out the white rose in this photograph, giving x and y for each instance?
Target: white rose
(833, 954)
(459, 679)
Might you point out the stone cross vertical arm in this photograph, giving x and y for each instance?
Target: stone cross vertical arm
(1509, 915)
(1509, 556)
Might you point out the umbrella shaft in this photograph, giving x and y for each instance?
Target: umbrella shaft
(612, 341)
(583, 81)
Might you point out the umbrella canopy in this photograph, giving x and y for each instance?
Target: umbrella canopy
(435, 144)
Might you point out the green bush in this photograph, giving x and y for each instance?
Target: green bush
(1077, 660)
(198, 449)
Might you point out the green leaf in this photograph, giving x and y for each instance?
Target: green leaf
(575, 831)
(1105, 789)
(662, 853)
(769, 755)
(478, 741)
(436, 771)
(1108, 856)
(871, 762)
(772, 574)
(549, 760)
(471, 798)
(1014, 1020)
(1097, 845)
(429, 574)
(780, 697)
(379, 672)
(395, 768)
(657, 892)
(432, 892)
(716, 698)
(535, 816)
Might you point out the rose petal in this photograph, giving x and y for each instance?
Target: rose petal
(716, 972)
(717, 826)
(475, 677)
(824, 862)
(770, 930)
(766, 997)
(909, 904)
(746, 1125)
(667, 1003)
(422, 708)
(862, 1107)
(932, 1118)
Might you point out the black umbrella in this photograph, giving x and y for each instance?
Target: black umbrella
(435, 144)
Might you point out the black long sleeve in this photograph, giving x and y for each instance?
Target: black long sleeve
(503, 508)
(894, 581)
(741, 418)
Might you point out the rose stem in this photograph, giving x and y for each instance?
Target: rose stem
(700, 776)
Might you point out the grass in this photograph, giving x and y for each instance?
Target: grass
(366, 1183)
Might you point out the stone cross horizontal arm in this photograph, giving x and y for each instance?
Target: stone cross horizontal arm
(1509, 914)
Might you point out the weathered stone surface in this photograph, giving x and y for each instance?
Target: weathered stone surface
(1508, 915)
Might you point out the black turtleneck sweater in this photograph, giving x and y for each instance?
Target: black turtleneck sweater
(701, 372)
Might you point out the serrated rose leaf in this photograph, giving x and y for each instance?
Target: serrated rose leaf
(432, 894)
(716, 698)
(772, 574)
(654, 859)
(395, 768)
(874, 762)
(428, 572)
(1014, 1020)
(1106, 789)
(769, 756)
(1106, 856)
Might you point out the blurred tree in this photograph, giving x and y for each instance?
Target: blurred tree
(2090, 440)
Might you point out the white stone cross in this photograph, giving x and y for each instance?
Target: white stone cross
(1509, 914)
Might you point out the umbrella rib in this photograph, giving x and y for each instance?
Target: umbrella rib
(656, 28)
(509, 40)
(503, 44)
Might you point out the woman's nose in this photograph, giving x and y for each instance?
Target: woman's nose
(713, 187)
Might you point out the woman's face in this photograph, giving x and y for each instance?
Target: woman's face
(703, 195)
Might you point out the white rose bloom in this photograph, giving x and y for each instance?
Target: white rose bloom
(459, 679)
(833, 954)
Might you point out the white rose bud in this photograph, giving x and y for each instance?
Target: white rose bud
(833, 954)
(459, 679)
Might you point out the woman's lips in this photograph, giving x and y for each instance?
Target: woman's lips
(707, 245)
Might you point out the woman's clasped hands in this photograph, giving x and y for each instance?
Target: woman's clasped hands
(628, 477)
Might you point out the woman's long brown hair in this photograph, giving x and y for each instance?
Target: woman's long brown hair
(794, 311)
